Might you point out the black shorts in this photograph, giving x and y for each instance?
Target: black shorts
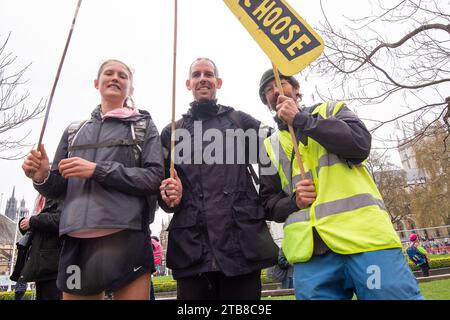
(89, 266)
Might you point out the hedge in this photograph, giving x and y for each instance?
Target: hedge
(10, 295)
(164, 285)
(434, 263)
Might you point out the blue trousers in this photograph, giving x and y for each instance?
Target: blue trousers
(374, 275)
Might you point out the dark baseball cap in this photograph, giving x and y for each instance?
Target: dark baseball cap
(269, 76)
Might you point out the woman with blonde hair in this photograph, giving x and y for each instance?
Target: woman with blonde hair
(105, 168)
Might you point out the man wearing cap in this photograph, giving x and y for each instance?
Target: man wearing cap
(337, 233)
(418, 255)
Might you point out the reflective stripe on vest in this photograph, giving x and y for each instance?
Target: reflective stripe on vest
(279, 160)
(330, 159)
(299, 216)
(349, 204)
(331, 106)
(338, 206)
(282, 160)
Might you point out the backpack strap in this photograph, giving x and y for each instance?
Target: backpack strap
(105, 144)
(138, 131)
(179, 124)
(234, 117)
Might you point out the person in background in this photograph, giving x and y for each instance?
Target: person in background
(157, 258)
(288, 281)
(41, 265)
(418, 255)
(20, 289)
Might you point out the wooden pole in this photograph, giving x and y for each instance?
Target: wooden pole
(291, 129)
(174, 76)
(47, 112)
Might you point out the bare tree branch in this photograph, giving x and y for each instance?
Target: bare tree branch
(400, 42)
(14, 111)
(366, 67)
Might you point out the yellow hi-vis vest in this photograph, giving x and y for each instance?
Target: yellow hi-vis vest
(348, 213)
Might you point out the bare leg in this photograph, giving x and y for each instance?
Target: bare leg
(139, 289)
(70, 296)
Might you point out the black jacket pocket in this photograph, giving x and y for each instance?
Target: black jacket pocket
(254, 236)
(48, 262)
(185, 245)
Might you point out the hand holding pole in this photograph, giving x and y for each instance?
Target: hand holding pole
(291, 129)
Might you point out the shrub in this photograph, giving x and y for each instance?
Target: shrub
(164, 285)
(10, 295)
(434, 263)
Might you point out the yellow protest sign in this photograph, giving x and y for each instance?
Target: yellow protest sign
(284, 36)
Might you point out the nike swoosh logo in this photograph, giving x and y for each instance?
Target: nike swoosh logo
(136, 269)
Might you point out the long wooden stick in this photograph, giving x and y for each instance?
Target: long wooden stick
(291, 129)
(174, 76)
(49, 105)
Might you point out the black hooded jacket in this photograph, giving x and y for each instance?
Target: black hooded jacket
(42, 257)
(220, 223)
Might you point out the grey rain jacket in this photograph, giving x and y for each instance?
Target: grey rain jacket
(114, 197)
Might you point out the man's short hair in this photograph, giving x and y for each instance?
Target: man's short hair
(216, 70)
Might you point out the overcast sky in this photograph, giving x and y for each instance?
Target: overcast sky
(139, 32)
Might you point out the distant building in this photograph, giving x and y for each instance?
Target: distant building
(415, 176)
(163, 239)
(407, 156)
(11, 206)
(7, 229)
(23, 212)
(8, 225)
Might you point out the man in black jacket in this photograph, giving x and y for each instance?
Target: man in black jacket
(41, 265)
(218, 238)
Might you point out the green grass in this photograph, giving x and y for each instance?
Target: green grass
(436, 290)
(279, 298)
(433, 290)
